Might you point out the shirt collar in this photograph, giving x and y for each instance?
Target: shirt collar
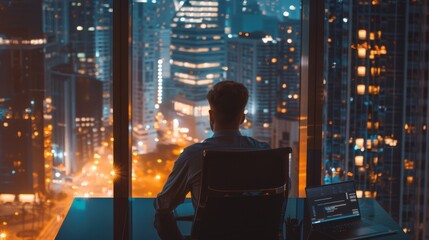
(221, 133)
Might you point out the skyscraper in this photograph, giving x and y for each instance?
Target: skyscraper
(376, 98)
(253, 60)
(198, 55)
(56, 20)
(91, 44)
(285, 124)
(145, 75)
(76, 117)
(26, 55)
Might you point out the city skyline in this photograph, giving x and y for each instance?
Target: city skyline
(56, 96)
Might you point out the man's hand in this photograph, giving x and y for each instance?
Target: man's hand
(166, 226)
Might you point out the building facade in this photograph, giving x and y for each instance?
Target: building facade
(375, 114)
(253, 59)
(26, 55)
(90, 26)
(146, 52)
(198, 56)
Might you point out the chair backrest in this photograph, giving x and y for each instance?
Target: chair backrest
(243, 194)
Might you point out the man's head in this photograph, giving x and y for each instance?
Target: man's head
(227, 101)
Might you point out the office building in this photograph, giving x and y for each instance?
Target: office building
(285, 125)
(56, 20)
(253, 59)
(198, 55)
(26, 55)
(91, 45)
(146, 52)
(376, 105)
(76, 118)
(251, 19)
(281, 8)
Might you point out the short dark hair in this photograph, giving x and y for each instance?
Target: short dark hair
(228, 99)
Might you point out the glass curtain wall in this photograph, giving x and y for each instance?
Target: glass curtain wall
(55, 111)
(180, 49)
(375, 111)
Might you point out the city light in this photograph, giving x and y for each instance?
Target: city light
(56, 133)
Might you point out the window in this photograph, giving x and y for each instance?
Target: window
(56, 141)
(374, 121)
(348, 94)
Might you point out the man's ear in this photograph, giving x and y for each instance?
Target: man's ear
(243, 117)
(211, 115)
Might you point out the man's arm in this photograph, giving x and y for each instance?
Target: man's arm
(166, 226)
(173, 193)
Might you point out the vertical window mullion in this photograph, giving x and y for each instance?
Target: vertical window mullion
(121, 119)
(312, 92)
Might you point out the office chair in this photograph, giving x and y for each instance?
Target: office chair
(243, 194)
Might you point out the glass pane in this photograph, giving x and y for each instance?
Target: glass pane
(375, 112)
(180, 49)
(55, 111)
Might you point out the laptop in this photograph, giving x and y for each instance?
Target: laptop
(334, 213)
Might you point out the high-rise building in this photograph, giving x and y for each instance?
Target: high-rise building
(246, 16)
(285, 125)
(91, 45)
(165, 13)
(280, 8)
(198, 55)
(56, 20)
(253, 59)
(164, 69)
(26, 55)
(146, 52)
(376, 105)
(76, 117)
(288, 96)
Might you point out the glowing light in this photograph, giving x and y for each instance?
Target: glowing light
(359, 193)
(361, 52)
(362, 34)
(358, 161)
(361, 71)
(360, 88)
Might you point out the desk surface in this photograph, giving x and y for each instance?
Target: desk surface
(92, 218)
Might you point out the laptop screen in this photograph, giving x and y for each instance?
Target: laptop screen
(332, 202)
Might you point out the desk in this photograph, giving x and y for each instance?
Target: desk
(370, 211)
(92, 218)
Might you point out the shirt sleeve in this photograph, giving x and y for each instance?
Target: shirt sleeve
(175, 189)
(173, 193)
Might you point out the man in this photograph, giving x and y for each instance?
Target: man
(227, 101)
